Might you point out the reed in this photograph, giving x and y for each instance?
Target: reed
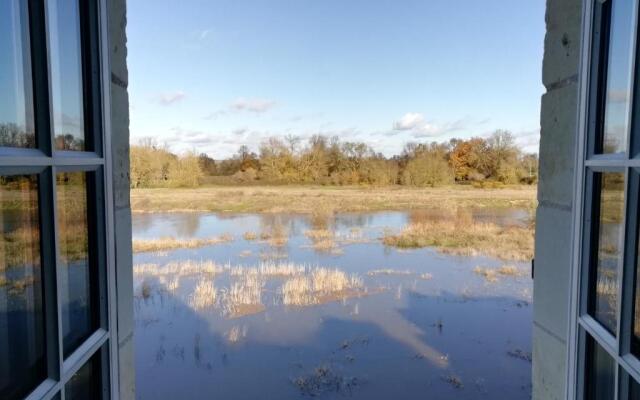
(469, 238)
(171, 243)
(204, 295)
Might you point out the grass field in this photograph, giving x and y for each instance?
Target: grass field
(312, 199)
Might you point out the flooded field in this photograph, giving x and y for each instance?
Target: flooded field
(284, 306)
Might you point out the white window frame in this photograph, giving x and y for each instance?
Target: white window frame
(45, 161)
(580, 323)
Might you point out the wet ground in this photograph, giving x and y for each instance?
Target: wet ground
(399, 324)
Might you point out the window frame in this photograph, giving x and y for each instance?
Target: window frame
(45, 162)
(581, 325)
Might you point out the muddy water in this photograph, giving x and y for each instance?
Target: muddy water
(423, 326)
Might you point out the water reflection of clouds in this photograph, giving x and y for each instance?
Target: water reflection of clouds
(435, 327)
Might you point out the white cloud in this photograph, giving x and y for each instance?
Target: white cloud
(253, 105)
(435, 129)
(167, 99)
(409, 121)
(529, 141)
(204, 33)
(420, 127)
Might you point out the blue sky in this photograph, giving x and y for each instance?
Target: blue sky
(210, 75)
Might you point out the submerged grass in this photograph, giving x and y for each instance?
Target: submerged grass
(492, 274)
(321, 285)
(466, 238)
(243, 297)
(170, 243)
(204, 295)
(180, 269)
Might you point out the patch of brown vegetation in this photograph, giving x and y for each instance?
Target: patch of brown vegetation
(467, 238)
(171, 243)
(309, 199)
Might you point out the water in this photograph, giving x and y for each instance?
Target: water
(432, 330)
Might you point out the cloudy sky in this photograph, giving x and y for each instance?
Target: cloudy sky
(210, 75)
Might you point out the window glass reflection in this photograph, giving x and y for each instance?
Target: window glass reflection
(16, 101)
(66, 74)
(22, 341)
(76, 270)
(85, 384)
(634, 389)
(618, 89)
(609, 248)
(600, 374)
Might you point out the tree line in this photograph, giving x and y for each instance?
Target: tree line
(323, 160)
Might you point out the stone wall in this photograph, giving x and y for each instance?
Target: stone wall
(558, 122)
(122, 210)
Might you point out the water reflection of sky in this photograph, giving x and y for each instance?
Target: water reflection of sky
(407, 338)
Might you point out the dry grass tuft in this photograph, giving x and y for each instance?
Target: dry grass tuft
(269, 269)
(170, 243)
(491, 274)
(180, 268)
(469, 238)
(388, 271)
(508, 270)
(243, 297)
(326, 246)
(204, 295)
(249, 236)
(321, 285)
(318, 234)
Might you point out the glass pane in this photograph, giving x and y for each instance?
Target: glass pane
(73, 238)
(66, 74)
(22, 342)
(618, 90)
(16, 101)
(603, 299)
(85, 384)
(600, 373)
(634, 389)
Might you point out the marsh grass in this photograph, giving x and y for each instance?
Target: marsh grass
(204, 295)
(269, 269)
(170, 243)
(180, 269)
(275, 236)
(328, 199)
(250, 236)
(466, 237)
(323, 241)
(319, 234)
(243, 297)
(492, 274)
(320, 286)
(388, 271)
